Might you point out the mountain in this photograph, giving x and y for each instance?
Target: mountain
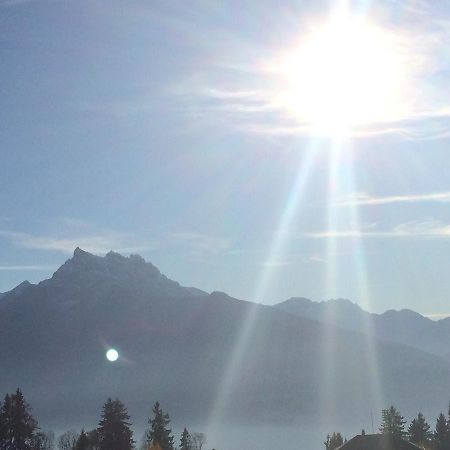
(342, 312)
(19, 289)
(203, 356)
(405, 327)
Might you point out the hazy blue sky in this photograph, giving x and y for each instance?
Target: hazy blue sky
(148, 127)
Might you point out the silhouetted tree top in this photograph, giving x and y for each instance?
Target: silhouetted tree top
(441, 438)
(393, 422)
(114, 431)
(185, 441)
(159, 432)
(419, 431)
(83, 442)
(17, 425)
(334, 441)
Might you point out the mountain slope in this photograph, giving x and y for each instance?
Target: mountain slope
(405, 327)
(177, 345)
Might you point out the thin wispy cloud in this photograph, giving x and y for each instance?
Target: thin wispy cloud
(249, 95)
(260, 113)
(242, 90)
(362, 199)
(255, 100)
(201, 242)
(16, 2)
(86, 235)
(437, 316)
(290, 260)
(317, 259)
(277, 263)
(424, 229)
(94, 243)
(26, 268)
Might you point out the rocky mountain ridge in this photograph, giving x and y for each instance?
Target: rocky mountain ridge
(201, 355)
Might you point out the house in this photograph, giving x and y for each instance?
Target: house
(378, 442)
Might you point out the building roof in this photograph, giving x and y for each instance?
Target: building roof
(378, 442)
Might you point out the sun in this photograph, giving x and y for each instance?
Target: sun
(344, 75)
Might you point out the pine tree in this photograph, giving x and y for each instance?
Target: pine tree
(392, 422)
(83, 441)
(159, 432)
(94, 442)
(419, 431)
(17, 425)
(334, 441)
(114, 428)
(441, 433)
(4, 421)
(185, 442)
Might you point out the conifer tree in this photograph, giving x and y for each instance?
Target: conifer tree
(334, 441)
(419, 431)
(159, 432)
(17, 425)
(83, 441)
(93, 439)
(44, 440)
(185, 442)
(114, 431)
(441, 433)
(4, 420)
(392, 423)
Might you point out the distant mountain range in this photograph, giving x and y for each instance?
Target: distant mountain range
(299, 362)
(404, 327)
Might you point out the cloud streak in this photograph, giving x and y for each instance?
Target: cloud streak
(254, 101)
(437, 316)
(26, 268)
(424, 229)
(199, 242)
(16, 2)
(85, 235)
(260, 112)
(363, 199)
(95, 243)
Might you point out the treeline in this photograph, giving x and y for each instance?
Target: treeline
(419, 431)
(19, 430)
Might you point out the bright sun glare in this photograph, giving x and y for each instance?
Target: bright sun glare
(346, 74)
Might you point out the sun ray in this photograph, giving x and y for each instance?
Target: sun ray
(328, 403)
(359, 257)
(276, 249)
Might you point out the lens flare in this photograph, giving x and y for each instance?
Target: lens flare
(112, 355)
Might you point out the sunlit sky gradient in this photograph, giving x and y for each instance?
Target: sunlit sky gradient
(162, 128)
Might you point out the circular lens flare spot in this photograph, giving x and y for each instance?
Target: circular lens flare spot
(112, 355)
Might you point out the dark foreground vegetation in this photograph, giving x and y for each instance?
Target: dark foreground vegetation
(19, 430)
(418, 432)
